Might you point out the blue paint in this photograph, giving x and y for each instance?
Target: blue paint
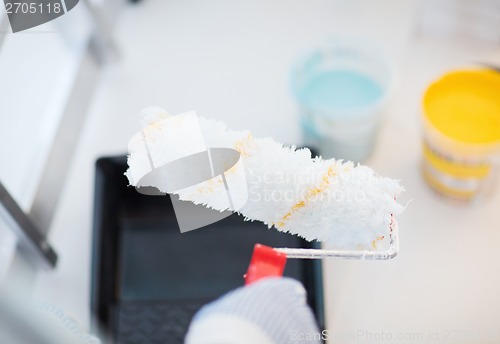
(340, 89)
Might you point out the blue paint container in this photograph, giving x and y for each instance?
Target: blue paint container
(341, 89)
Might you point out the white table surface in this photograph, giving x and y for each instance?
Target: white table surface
(231, 62)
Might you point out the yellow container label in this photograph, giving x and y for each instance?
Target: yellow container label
(445, 190)
(455, 169)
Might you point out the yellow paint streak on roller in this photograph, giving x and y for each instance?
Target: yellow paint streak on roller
(244, 146)
(375, 242)
(325, 182)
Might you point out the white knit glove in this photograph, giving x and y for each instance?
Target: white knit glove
(270, 311)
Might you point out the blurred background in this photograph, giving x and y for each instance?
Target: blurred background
(71, 91)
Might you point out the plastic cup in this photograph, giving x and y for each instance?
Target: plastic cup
(461, 145)
(341, 89)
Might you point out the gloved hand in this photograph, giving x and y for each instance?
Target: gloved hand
(270, 311)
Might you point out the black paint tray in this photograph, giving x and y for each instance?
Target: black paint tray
(148, 279)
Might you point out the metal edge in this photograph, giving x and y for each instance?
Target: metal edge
(31, 239)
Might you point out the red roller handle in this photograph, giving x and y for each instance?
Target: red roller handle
(265, 262)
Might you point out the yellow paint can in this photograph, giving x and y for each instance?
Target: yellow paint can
(461, 146)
